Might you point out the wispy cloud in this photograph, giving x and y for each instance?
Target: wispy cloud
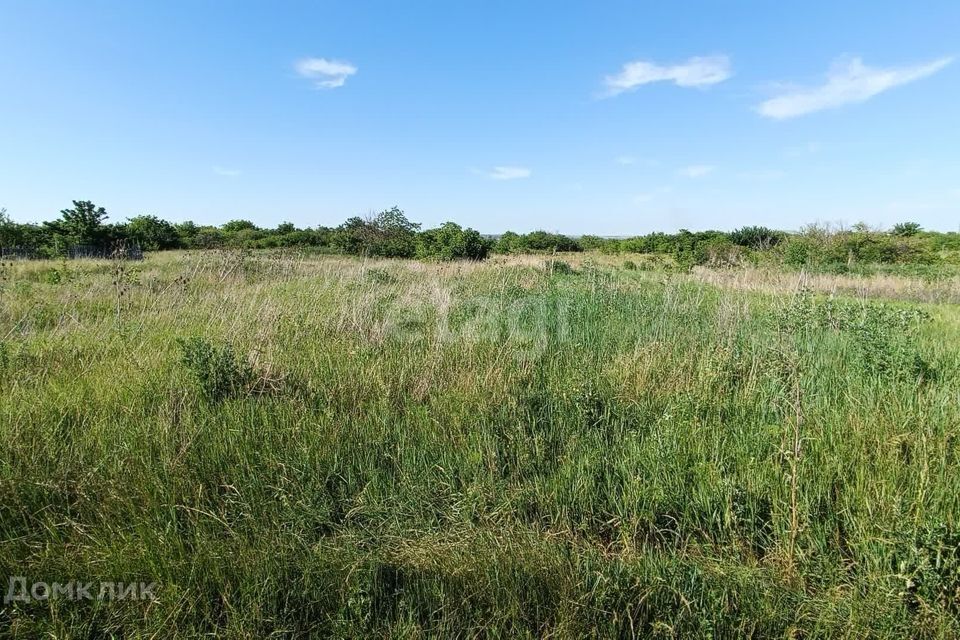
(507, 173)
(229, 173)
(325, 74)
(701, 71)
(696, 170)
(849, 81)
(625, 160)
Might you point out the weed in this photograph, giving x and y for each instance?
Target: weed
(558, 267)
(216, 369)
(932, 569)
(379, 276)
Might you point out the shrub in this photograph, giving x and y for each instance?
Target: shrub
(756, 237)
(379, 276)
(387, 235)
(884, 337)
(215, 368)
(558, 267)
(452, 242)
(906, 229)
(535, 242)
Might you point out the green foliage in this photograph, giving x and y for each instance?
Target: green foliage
(535, 242)
(932, 569)
(884, 337)
(58, 275)
(217, 370)
(387, 235)
(906, 229)
(451, 242)
(756, 237)
(152, 233)
(235, 226)
(474, 452)
(558, 267)
(822, 247)
(390, 234)
(83, 224)
(379, 276)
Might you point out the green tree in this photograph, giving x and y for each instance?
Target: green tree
(756, 237)
(452, 242)
(83, 224)
(906, 229)
(507, 242)
(389, 234)
(238, 225)
(7, 229)
(152, 233)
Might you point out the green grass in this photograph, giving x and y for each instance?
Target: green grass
(293, 446)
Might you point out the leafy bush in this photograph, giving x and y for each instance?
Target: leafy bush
(756, 237)
(558, 267)
(884, 336)
(535, 242)
(216, 369)
(906, 229)
(388, 235)
(452, 242)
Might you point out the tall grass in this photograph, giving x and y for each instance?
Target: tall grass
(335, 447)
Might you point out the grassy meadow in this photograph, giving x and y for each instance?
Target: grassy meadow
(306, 446)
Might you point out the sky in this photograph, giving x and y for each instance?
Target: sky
(602, 117)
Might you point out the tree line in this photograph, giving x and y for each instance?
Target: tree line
(390, 234)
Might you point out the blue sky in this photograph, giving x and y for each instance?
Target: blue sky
(590, 117)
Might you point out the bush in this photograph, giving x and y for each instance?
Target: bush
(216, 369)
(388, 235)
(906, 229)
(535, 242)
(756, 237)
(558, 267)
(452, 242)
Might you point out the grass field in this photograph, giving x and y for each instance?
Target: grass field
(293, 446)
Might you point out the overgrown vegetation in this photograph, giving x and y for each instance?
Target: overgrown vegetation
(390, 234)
(293, 445)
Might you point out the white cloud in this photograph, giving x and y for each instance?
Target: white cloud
(229, 173)
(508, 173)
(696, 170)
(849, 81)
(625, 160)
(695, 72)
(325, 74)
